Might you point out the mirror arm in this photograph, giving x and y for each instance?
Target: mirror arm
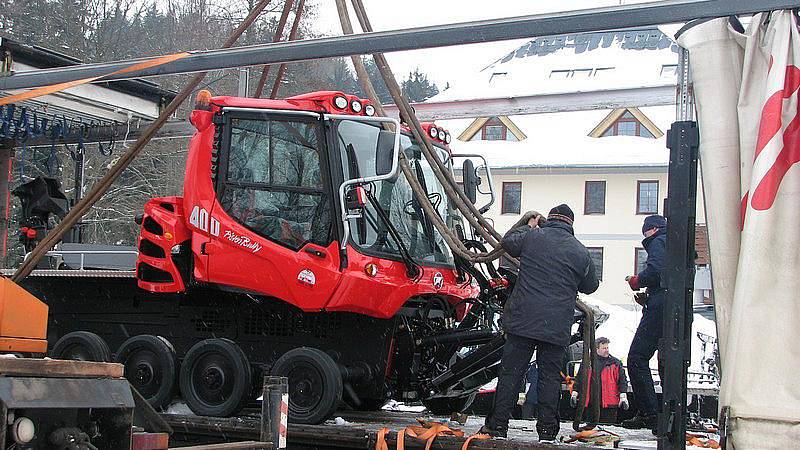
(346, 216)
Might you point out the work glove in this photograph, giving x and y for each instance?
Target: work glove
(623, 401)
(640, 298)
(521, 398)
(633, 282)
(526, 218)
(573, 400)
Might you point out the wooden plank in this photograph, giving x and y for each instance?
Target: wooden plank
(232, 445)
(59, 368)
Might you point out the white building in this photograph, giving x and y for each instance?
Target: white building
(609, 166)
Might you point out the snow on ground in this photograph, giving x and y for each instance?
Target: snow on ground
(180, 408)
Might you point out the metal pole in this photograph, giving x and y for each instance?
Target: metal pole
(80, 168)
(581, 21)
(674, 348)
(244, 82)
(275, 410)
(6, 155)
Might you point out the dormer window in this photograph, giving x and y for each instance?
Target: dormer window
(626, 122)
(627, 125)
(494, 130)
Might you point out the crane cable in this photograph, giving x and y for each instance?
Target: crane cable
(447, 183)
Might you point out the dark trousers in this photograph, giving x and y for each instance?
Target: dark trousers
(643, 347)
(608, 416)
(517, 353)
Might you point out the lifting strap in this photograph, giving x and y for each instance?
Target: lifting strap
(53, 88)
(427, 432)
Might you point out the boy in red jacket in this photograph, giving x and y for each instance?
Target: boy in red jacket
(613, 384)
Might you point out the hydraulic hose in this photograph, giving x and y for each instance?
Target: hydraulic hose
(587, 364)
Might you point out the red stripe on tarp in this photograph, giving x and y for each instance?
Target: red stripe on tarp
(770, 122)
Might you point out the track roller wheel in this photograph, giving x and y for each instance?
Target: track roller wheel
(81, 346)
(216, 378)
(315, 384)
(447, 405)
(150, 367)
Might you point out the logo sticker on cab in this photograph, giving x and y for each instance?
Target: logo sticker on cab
(307, 277)
(438, 280)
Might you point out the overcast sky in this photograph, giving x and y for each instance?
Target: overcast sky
(446, 64)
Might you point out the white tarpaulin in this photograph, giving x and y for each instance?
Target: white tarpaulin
(746, 85)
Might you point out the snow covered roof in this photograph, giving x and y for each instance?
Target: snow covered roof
(562, 140)
(574, 63)
(569, 64)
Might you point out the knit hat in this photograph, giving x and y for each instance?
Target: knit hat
(563, 213)
(654, 221)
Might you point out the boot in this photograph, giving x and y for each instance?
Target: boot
(640, 421)
(494, 433)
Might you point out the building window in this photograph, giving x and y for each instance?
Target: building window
(647, 197)
(628, 125)
(512, 197)
(494, 130)
(669, 70)
(594, 197)
(639, 260)
(596, 253)
(579, 73)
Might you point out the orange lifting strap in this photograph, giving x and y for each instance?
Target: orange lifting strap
(428, 432)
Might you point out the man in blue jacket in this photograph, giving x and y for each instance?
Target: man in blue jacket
(538, 316)
(651, 326)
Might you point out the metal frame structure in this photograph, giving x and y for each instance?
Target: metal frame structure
(580, 21)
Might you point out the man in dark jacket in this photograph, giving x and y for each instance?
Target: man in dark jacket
(613, 385)
(651, 327)
(538, 316)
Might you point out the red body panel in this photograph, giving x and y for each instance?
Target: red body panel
(168, 213)
(384, 294)
(227, 253)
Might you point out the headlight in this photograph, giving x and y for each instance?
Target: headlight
(447, 138)
(340, 102)
(434, 132)
(369, 110)
(23, 430)
(355, 105)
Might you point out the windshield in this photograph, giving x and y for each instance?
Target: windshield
(357, 143)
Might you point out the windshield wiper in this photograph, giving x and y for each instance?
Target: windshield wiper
(412, 268)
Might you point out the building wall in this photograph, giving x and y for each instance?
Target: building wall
(618, 231)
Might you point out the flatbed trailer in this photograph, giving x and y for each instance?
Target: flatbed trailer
(360, 431)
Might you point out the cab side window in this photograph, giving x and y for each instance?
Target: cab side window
(274, 183)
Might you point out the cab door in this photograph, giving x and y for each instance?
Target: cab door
(273, 209)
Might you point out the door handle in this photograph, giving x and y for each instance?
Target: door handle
(315, 252)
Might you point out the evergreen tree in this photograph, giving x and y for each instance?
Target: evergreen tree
(417, 88)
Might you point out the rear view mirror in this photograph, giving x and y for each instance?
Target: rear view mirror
(470, 179)
(384, 153)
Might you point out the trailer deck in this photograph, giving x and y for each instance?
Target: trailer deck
(359, 430)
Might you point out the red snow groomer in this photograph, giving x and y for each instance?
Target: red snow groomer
(297, 249)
